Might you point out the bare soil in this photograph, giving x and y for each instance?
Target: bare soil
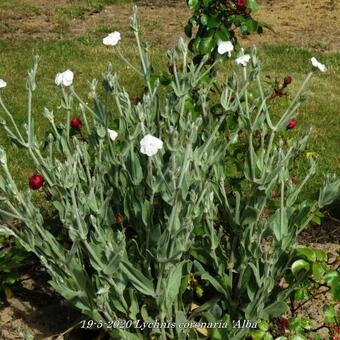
(311, 24)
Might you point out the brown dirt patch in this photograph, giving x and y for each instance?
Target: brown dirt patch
(34, 308)
(312, 24)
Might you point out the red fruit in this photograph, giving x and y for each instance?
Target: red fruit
(36, 181)
(287, 80)
(76, 123)
(291, 124)
(119, 218)
(241, 3)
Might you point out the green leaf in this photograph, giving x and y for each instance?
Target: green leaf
(330, 314)
(207, 45)
(135, 168)
(276, 224)
(251, 25)
(139, 281)
(214, 282)
(249, 215)
(257, 334)
(312, 254)
(274, 310)
(300, 265)
(301, 294)
(134, 307)
(298, 337)
(318, 270)
(206, 3)
(193, 4)
(173, 285)
(209, 21)
(147, 213)
(253, 5)
(329, 192)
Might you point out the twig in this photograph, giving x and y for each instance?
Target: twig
(312, 297)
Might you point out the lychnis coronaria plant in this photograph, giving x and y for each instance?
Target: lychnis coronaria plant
(154, 238)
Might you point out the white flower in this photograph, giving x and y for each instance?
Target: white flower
(112, 39)
(149, 145)
(2, 84)
(65, 78)
(224, 47)
(243, 60)
(113, 134)
(318, 65)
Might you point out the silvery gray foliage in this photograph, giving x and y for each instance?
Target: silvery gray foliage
(178, 218)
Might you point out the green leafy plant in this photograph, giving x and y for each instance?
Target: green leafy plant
(12, 255)
(217, 21)
(140, 189)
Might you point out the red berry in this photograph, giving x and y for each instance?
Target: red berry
(287, 80)
(36, 181)
(119, 218)
(241, 3)
(76, 123)
(291, 124)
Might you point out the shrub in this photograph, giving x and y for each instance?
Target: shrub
(217, 21)
(140, 190)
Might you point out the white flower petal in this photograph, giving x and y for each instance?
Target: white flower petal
(243, 60)
(113, 134)
(2, 84)
(112, 39)
(149, 145)
(318, 65)
(224, 47)
(67, 78)
(58, 79)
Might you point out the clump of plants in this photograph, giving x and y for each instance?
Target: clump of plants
(215, 22)
(140, 190)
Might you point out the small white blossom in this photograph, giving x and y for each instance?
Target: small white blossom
(65, 78)
(243, 60)
(225, 47)
(150, 145)
(318, 65)
(112, 39)
(2, 84)
(113, 134)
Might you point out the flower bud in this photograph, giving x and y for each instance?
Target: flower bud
(136, 100)
(36, 181)
(293, 181)
(76, 123)
(291, 124)
(241, 3)
(119, 218)
(287, 80)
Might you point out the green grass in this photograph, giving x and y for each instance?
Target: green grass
(80, 8)
(88, 58)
